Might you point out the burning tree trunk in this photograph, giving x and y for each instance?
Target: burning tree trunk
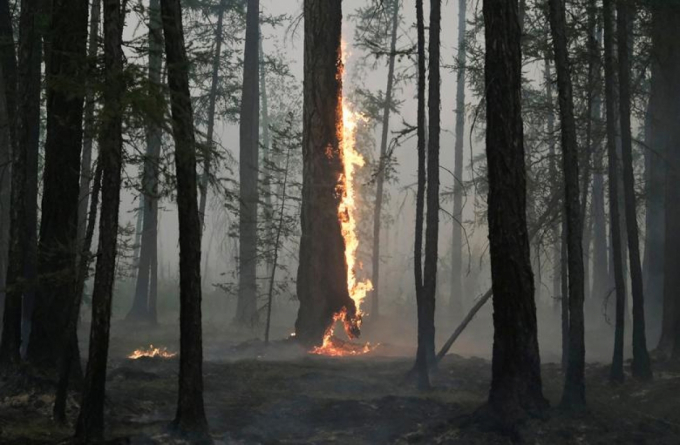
(59, 218)
(516, 387)
(147, 272)
(249, 128)
(90, 424)
(190, 410)
(641, 366)
(27, 120)
(574, 386)
(380, 179)
(455, 299)
(322, 273)
(615, 220)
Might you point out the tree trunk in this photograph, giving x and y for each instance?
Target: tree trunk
(22, 234)
(249, 128)
(146, 273)
(322, 273)
(380, 177)
(640, 367)
(556, 228)
(268, 210)
(190, 411)
(421, 354)
(455, 300)
(616, 373)
(212, 99)
(574, 395)
(516, 387)
(65, 76)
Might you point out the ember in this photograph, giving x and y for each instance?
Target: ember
(150, 352)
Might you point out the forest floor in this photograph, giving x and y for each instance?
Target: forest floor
(283, 395)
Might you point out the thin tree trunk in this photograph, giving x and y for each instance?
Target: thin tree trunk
(641, 366)
(268, 210)
(212, 99)
(516, 387)
(146, 273)
(90, 425)
(421, 365)
(322, 273)
(249, 127)
(616, 373)
(380, 177)
(66, 72)
(190, 410)
(550, 128)
(573, 395)
(28, 118)
(455, 300)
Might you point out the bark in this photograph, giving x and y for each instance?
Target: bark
(516, 388)
(249, 128)
(616, 373)
(573, 395)
(641, 366)
(380, 177)
(322, 273)
(190, 410)
(212, 99)
(455, 300)
(21, 231)
(147, 272)
(421, 365)
(5, 184)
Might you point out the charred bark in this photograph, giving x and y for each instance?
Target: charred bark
(322, 273)
(190, 416)
(516, 387)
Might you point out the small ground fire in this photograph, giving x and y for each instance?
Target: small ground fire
(151, 352)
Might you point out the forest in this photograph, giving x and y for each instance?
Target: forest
(339, 222)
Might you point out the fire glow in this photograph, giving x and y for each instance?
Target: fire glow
(347, 215)
(151, 352)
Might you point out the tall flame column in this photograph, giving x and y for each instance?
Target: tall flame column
(322, 274)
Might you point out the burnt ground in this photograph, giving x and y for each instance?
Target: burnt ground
(281, 395)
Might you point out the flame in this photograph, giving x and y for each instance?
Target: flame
(161, 352)
(347, 215)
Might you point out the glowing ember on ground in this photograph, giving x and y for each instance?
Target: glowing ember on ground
(161, 352)
(352, 160)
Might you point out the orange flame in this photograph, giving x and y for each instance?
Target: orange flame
(161, 352)
(347, 215)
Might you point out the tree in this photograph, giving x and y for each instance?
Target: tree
(574, 385)
(249, 129)
(516, 388)
(455, 300)
(616, 373)
(59, 211)
(640, 367)
(190, 416)
(322, 271)
(380, 177)
(143, 306)
(90, 424)
(27, 124)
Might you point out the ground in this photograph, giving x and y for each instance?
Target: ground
(281, 395)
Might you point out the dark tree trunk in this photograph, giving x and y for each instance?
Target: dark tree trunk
(249, 131)
(380, 177)
(640, 367)
(421, 354)
(27, 120)
(190, 411)
(268, 210)
(66, 69)
(574, 394)
(556, 228)
(322, 273)
(456, 297)
(616, 374)
(212, 99)
(147, 272)
(90, 424)
(516, 387)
